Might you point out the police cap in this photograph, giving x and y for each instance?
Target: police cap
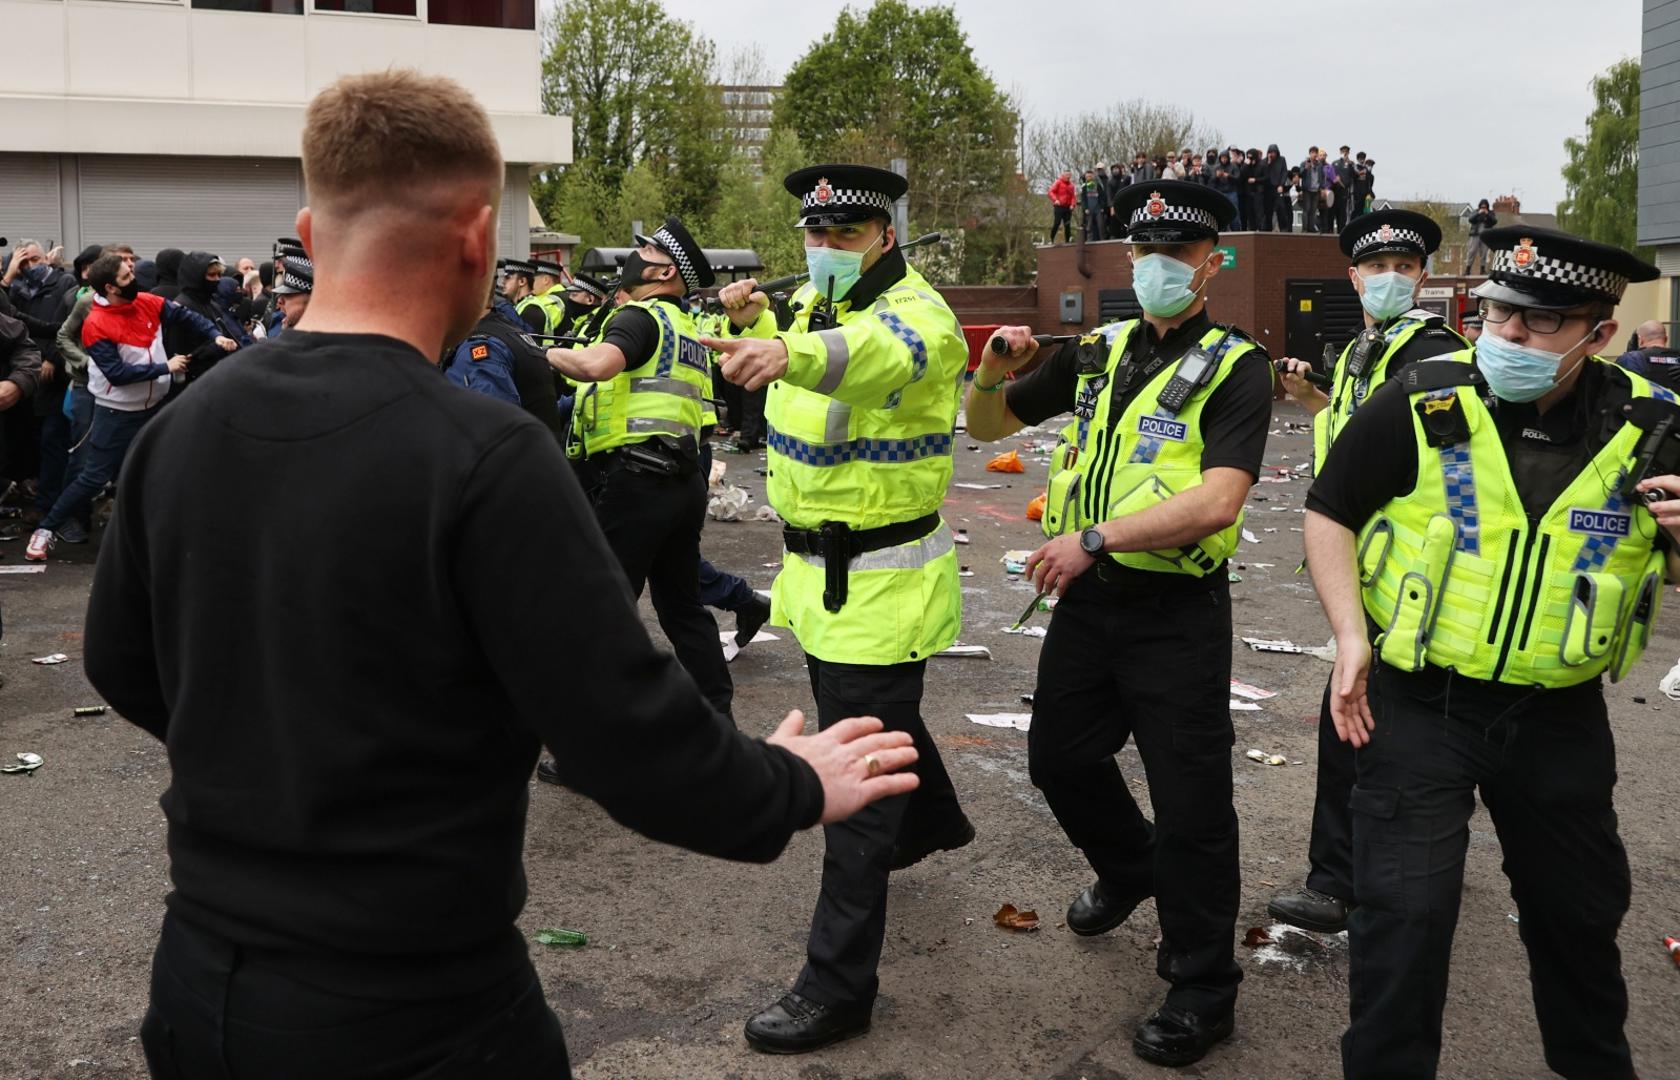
(520, 267)
(1543, 268)
(594, 286)
(1172, 212)
(297, 277)
(674, 240)
(1397, 232)
(289, 247)
(547, 266)
(831, 195)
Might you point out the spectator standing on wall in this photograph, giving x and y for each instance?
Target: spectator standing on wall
(1475, 253)
(1061, 206)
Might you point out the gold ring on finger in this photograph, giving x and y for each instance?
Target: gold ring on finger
(872, 765)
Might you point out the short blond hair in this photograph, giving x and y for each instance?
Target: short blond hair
(390, 137)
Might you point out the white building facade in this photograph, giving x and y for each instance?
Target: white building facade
(177, 123)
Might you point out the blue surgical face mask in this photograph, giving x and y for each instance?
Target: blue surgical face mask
(1162, 285)
(1387, 295)
(1518, 372)
(836, 264)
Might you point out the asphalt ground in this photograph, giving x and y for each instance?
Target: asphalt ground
(682, 949)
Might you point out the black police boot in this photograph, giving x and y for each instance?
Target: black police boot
(1310, 909)
(1180, 1037)
(959, 833)
(547, 772)
(1100, 908)
(797, 1025)
(752, 616)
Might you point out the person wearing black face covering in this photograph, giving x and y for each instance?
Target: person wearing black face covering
(200, 276)
(168, 268)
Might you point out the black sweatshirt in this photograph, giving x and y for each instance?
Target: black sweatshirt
(331, 588)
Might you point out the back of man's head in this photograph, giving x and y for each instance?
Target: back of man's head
(1652, 334)
(401, 168)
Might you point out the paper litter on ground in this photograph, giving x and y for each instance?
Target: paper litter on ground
(1249, 537)
(1250, 691)
(1020, 721)
(1267, 759)
(23, 569)
(1026, 631)
(55, 658)
(1243, 706)
(959, 649)
(1283, 645)
(976, 487)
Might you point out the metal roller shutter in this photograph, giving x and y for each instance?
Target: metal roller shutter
(29, 198)
(233, 207)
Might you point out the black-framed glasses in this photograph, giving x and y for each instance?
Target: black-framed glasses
(1538, 320)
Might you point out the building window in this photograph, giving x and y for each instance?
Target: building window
(267, 7)
(506, 14)
(369, 7)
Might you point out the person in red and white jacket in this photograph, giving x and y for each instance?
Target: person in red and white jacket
(1061, 202)
(129, 378)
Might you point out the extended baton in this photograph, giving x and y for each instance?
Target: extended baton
(1001, 347)
(1321, 381)
(793, 280)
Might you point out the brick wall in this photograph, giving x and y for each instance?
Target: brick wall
(1250, 295)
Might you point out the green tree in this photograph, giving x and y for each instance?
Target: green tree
(638, 86)
(754, 211)
(1601, 193)
(896, 81)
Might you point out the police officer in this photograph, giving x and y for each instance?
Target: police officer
(500, 360)
(517, 277)
(1472, 518)
(287, 247)
(1144, 506)
(862, 404)
(584, 297)
(1389, 250)
(548, 292)
(635, 442)
(292, 290)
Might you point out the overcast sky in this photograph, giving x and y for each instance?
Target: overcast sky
(1456, 99)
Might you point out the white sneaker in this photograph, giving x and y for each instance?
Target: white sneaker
(41, 541)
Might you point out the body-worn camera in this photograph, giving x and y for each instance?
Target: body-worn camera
(1658, 452)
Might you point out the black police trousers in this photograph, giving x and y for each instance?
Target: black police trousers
(1155, 669)
(1330, 847)
(652, 523)
(1546, 766)
(850, 921)
(220, 1013)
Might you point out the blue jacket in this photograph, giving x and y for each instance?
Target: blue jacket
(483, 363)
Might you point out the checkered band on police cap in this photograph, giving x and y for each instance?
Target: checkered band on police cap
(1527, 260)
(1156, 210)
(667, 241)
(823, 197)
(1390, 237)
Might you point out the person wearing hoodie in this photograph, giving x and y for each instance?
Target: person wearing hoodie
(1274, 187)
(146, 273)
(130, 372)
(200, 277)
(168, 270)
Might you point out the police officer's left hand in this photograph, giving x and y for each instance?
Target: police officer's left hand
(227, 344)
(750, 363)
(1054, 566)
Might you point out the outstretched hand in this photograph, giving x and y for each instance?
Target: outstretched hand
(751, 363)
(856, 761)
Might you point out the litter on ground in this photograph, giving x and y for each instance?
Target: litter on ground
(1019, 721)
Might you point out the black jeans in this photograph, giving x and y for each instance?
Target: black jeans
(850, 921)
(652, 523)
(1061, 217)
(1330, 847)
(218, 1014)
(1154, 668)
(1546, 766)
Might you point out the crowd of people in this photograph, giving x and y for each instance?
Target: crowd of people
(498, 553)
(1264, 190)
(90, 350)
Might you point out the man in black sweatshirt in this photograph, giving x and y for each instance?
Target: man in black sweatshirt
(353, 601)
